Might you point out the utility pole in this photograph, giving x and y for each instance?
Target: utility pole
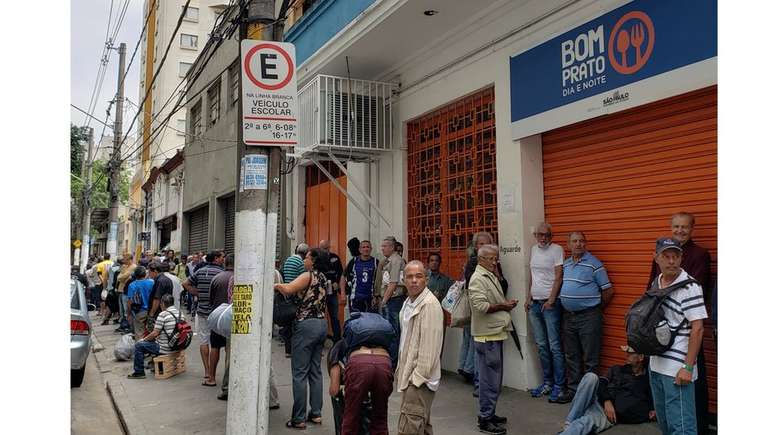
(85, 206)
(255, 234)
(114, 166)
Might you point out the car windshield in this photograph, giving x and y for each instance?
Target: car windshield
(75, 300)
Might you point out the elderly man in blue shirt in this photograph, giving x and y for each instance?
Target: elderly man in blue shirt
(586, 289)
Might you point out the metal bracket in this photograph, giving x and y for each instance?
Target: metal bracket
(344, 191)
(365, 195)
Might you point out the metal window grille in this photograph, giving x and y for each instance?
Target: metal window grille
(233, 83)
(213, 99)
(452, 182)
(196, 119)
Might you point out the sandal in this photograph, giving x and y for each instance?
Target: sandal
(209, 385)
(315, 420)
(290, 425)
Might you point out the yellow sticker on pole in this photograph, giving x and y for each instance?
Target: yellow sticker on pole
(242, 307)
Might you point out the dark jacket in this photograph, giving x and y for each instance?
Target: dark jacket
(630, 394)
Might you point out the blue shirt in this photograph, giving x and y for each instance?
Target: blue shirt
(144, 286)
(364, 277)
(583, 282)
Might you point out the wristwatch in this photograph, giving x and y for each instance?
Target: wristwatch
(688, 367)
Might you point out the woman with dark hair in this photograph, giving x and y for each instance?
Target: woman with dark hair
(309, 333)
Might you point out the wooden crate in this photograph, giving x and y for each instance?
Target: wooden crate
(169, 365)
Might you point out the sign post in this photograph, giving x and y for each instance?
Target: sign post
(268, 114)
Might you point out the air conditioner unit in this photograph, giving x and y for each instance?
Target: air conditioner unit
(352, 120)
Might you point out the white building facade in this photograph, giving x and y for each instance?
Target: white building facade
(509, 113)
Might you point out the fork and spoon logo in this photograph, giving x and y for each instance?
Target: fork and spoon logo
(631, 42)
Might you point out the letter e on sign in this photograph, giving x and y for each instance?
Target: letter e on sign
(269, 93)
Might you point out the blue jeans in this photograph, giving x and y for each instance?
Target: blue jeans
(392, 314)
(490, 362)
(547, 332)
(308, 338)
(675, 405)
(122, 301)
(332, 301)
(140, 349)
(586, 414)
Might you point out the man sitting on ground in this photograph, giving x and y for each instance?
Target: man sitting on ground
(157, 342)
(623, 397)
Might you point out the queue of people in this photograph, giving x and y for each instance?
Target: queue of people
(565, 299)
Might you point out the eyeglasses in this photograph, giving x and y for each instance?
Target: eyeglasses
(543, 234)
(494, 259)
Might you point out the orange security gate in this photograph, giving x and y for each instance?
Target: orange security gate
(452, 190)
(619, 178)
(326, 215)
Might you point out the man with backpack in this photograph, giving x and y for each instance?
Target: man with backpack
(161, 340)
(679, 328)
(697, 263)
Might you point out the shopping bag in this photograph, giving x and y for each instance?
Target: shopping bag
(124, 349)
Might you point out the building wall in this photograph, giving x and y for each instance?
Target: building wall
(169, 77)
(519, 163)
(211, 157)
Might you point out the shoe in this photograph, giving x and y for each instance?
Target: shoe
(543, 390)
(105, 322)
(468, 377)
(223, 395)
(475, 393)
(273, 407)
(490, 427)
(498, 420)
(559, 395)
(136, 376)
(116, 321)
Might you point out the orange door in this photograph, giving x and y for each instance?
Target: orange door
(619, 178)
(326, 218)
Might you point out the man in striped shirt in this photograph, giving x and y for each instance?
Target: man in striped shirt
(672, 373)
(198, 285)
(291, 269)
(586, 289)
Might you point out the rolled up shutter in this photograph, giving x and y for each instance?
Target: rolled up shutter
(197, 230)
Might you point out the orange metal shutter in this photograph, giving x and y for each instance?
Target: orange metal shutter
(618, 178)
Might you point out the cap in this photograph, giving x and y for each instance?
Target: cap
(628, 349)
(665, 243)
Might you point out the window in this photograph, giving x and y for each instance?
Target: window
(189, 41)
(183, 69)
(191, 14)
(196, 119)
(181, 127)
(233, 83)
(213, 100)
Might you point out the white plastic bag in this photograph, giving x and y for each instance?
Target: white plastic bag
(219, 320)
(452, 295)
(124, 349)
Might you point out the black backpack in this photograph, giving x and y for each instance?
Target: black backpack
(647, 330)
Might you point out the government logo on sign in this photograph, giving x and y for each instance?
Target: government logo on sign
(631, 42)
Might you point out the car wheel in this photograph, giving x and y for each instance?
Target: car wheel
(76, 376)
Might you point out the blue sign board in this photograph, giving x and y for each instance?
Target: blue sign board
(640, 40)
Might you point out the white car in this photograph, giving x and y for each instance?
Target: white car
(80, 332)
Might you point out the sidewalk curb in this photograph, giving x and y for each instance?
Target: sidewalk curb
(125, 410)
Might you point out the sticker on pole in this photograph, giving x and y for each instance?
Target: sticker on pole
(253, 171)
(242, 309)
(269, 93)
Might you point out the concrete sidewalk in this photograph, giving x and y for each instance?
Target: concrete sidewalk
(181, 405)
